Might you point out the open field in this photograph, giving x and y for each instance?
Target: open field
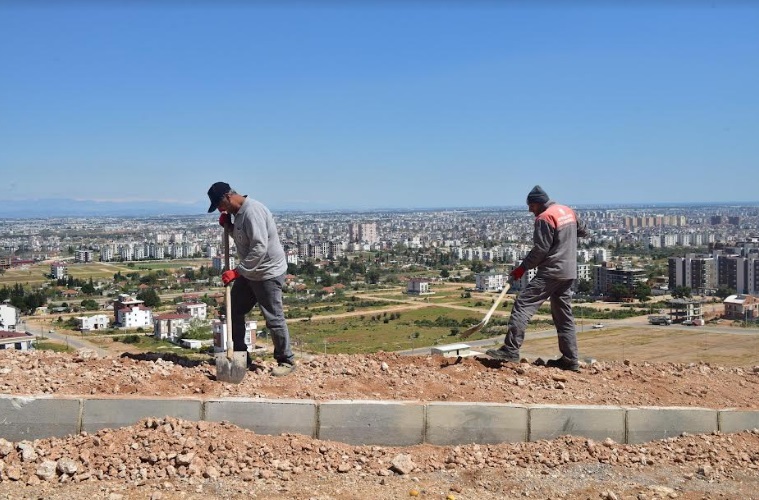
(662, 344)
(36, 274)
(362, 334)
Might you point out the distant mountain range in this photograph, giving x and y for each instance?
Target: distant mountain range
(63, 207)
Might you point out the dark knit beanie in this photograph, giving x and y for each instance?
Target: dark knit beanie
(537, 195)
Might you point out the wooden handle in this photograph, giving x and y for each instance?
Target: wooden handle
(228, 296)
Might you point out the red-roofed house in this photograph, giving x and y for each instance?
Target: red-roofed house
(131, 313)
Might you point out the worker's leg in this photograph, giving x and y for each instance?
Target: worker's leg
(526, 305)
(243, 300)
(561, 310)
(269, 295)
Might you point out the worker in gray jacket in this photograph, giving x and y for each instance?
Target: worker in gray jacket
(554, 254)
(260, 274)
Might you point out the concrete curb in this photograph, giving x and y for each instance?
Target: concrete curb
(367, 422)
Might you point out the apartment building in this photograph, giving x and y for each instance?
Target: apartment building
(129, 312)
(697, 272)
(88, 323)
(489, 282)
(196, 310)
(363, 232)
(58, 270)
(418, 286)
(9, 317)
(218, 262)
(739, 273)
(171, 326)
(83, 256)
(219, 329)
(606, 277)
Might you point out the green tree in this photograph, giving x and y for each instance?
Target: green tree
(619, 292)
(373, 276)
(198, 330)
(642, 292)
(88, 288)
(584, 287)
(724, 292)
(150, 297)
(477, 266)
(90, 305)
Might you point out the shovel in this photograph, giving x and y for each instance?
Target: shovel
(481, 324)
(231, 365)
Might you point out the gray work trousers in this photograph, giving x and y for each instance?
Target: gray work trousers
(268, 295)
(529, 301)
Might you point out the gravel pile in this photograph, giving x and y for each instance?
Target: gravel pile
(170, 455)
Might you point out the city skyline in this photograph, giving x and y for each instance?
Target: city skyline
(386, 105)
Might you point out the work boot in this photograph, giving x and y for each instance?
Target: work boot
(282, 369)
(502, 355)
(563, 364)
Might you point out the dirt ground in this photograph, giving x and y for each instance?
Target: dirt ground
(169, 458)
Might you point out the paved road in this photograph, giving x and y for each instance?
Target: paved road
(74, 342)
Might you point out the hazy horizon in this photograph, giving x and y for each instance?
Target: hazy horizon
(85, 208)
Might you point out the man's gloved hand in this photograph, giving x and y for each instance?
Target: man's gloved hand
(228, 277)
(517, 273)
(225, 220)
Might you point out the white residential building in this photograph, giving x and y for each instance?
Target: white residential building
(129, 312)
(584, 272)
(218, 262)
(170, 326)
(9, 317)
(126, 253)
(489, 282)
(58, 270)
(220, 335)
(20, 341)
(135, 316)
(525, 279)
(196, 310)
(83, 256)
(418, 286)
(106, 253)
(96, 322)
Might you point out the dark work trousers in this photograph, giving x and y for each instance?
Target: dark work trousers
(268, 295)
(527, 304)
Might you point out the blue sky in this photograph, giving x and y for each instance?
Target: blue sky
(390, 104)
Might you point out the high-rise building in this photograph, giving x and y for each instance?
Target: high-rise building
(697, 272)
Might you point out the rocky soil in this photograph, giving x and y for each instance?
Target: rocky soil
(170, 458)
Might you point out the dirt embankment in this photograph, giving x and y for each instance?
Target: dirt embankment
(166, 458)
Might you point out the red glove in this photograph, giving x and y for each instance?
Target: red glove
(228, 277)
(517, 273)
(225, 220)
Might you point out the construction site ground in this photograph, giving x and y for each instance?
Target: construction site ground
(168, 458)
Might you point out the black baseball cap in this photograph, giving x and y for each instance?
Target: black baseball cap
(216, 192)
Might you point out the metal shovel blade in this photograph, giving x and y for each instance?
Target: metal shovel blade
(231, 369)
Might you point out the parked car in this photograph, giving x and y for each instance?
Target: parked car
(598, 326)
(659, 320)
